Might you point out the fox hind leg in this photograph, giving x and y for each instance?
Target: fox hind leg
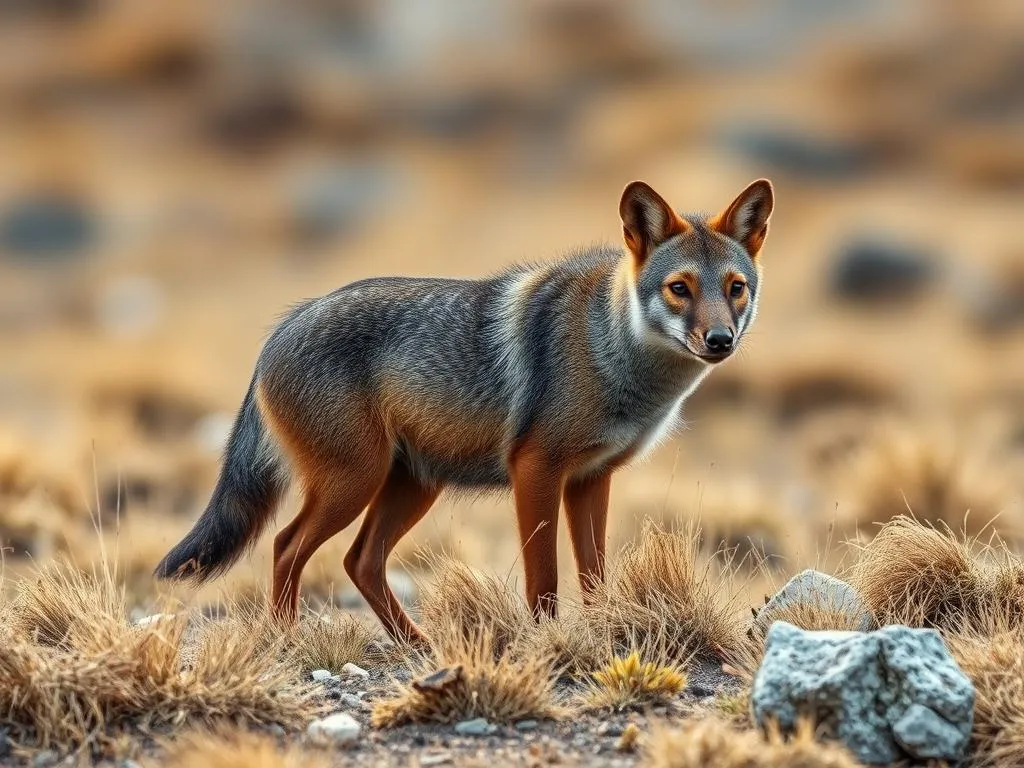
(401, 502)
(328, 508)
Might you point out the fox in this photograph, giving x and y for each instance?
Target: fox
(543, 378)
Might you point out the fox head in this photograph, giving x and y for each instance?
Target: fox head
(695, 279)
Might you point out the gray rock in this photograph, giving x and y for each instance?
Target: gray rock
(321, 675)
(875, 270)
(888, 694)
(47, 226)
(815, 589)
(339, 728)
(350, 700)
(526, 725)
(477, 727)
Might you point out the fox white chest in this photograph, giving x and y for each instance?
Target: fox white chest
(624, 441)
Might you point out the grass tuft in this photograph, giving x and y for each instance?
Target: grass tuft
(660, 595)
(994, 661)
(74, 673)
(470, 677)
(925, 575)
(232, 748)
(463, 600)
(630, 682)
(712, 743)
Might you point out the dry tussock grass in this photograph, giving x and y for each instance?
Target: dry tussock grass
(921, 574)
(462, 599)
(661, 595)
(232, 748)
(714, 744)
(990, 651)
(470, 677)
(330, 640)
(630, 682)
(73, 671)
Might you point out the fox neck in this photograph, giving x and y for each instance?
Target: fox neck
(638, 368)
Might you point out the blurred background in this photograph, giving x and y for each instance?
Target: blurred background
(174, 175)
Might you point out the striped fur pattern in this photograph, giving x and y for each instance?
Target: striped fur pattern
(544, 378)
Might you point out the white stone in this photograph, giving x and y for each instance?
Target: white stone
(321, 675)
(339, 728)
(146, 621)
(352, 670)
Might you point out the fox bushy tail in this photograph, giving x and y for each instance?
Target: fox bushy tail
(252, 480)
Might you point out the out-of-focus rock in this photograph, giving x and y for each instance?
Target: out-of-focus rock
(47, 226)
(873, 270)
(803, 156)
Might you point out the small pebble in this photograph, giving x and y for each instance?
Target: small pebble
(352, 670)
(339, 728)
(609, 729)
(526, 725)
(351, 701)
(477, 727)
(146, 621)
(439, 759)
(321, 675)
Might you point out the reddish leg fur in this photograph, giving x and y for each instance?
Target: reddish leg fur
(398, 506)
(537, 488)
(586, 511)
(325, 511)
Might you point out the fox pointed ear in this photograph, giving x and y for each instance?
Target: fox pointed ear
(746, 218)
(647, 220)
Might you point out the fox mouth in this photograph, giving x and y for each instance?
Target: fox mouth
(712, 358)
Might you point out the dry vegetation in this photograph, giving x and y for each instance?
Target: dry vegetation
(469, 676)
(632, 682)
(232, 748)
(75, 673)
(714, 744)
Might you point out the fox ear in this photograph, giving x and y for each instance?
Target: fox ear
(647, 220)
(746, 218)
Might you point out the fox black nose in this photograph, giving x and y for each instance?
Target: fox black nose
(719, 339)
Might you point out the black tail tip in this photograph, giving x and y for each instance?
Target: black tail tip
(172, 568)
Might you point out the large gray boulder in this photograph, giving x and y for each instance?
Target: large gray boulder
(814, 591)
(888, 694)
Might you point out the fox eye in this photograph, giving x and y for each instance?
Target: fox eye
(737, 288)
(679, 288)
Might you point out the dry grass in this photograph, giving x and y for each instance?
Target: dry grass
(330, 640)
(631, 682)
(74, 673)
(461, 598)
(933, 476)
(714, 744)
(470, 677)
(661, 595)
(232, 748)
(925, 575)
(746, 520)
(994, 661)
